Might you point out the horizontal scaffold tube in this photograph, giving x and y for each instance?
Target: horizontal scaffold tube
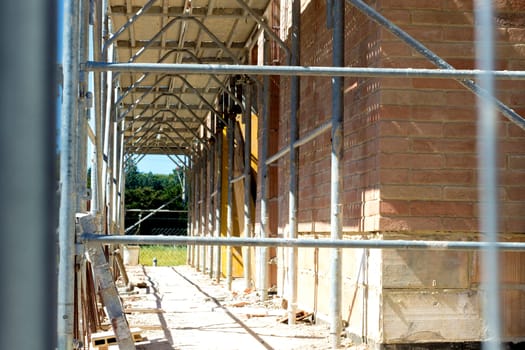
(188, 68)
(301, 243)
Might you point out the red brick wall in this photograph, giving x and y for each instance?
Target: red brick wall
(410, 144)
(361, 100)
(428, 127)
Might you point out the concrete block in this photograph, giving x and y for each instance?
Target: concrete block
(426, 269)
(431, 316)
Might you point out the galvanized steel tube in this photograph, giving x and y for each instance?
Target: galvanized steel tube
(294, 162)
(336, 188)
(229, 209)
(246, 254)
(304, 243)
(68, 186)
(488, 173)
(211, 207)
(312, 71)
(262, 277)
(218, 206)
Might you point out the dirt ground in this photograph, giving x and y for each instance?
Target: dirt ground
(181, 308)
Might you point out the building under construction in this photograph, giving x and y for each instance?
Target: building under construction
(369, 154)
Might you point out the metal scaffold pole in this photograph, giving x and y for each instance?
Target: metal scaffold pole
(488, 174)
(294, 162)
(247, 182)
(28, 94)
(229, 213)
(212, 202)
(264, 229)
(68, 186)
(336, 207)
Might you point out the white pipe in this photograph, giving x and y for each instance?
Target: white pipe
(488, 174)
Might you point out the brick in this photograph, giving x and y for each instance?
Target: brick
(437, 84)
(460, 130)
(460, 224)
(410, 224)
(438, 17)
(393, 176)
(458, 5)
(411, 161)
(513, 315)
(443, 145)
(460, 98)
(516, 162)
(433, 208)
(415, 192)
(459, 33)
(514, 225)
(410, 128)
(398, 16)
(394, 145)
(451, 113)
(419, 4)
(460, 193)
(461, 161)
(515, 193)
(460, 177)
(394, 208)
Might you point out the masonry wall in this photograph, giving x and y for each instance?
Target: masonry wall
(410, 172)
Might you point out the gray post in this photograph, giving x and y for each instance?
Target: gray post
(264, 229)
(294, 162)
(212, 202)
(205, 206)
(218, 199)
(336, 213)
(68, 186)
(247, 182)
(27, 180)
(488, 176)
(229, 214)
(198, 211)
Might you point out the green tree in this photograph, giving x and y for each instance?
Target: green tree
(150, 191)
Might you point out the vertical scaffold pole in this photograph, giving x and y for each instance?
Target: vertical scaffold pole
(294, 162)
(212, 202)
(205, 206)
(198, 213)
(68, 186)
(264, 229)
(336, 214)
(247, 182)
(488, 177)
(218, 206)
(27, 181)
(229, 214)
(193, 203)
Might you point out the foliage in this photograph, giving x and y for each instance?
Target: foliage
(150, 191)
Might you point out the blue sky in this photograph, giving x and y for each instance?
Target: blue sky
(157, 164)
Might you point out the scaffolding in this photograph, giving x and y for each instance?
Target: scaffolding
(175, 78)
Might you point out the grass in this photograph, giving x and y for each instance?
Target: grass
(165, 255)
